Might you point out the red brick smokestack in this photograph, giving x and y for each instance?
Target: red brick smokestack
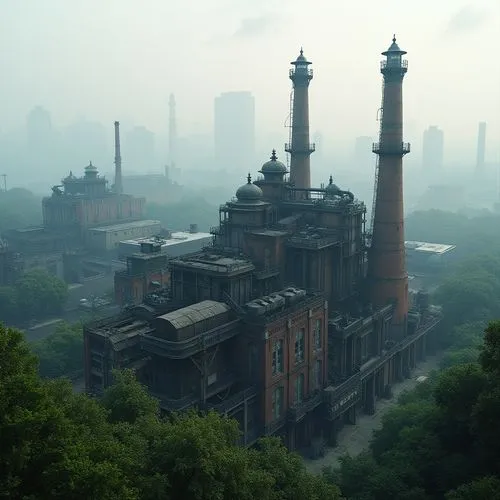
(388, 279)
(299, 147)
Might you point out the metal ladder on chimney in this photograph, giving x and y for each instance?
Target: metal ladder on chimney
(289, 124)
(380, 114)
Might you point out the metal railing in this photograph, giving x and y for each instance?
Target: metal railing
(391, 149)
(299, 410)
(186, 348)
(301, 72)
(266, 272)
(313, 243)
(233, 401)
(387, 65)
(308, 148)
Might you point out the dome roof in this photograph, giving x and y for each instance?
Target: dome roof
(332, 189)
(249, 192)
(301, 59)
(394, 48)
(273, 166)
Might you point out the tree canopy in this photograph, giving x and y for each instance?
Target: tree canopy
(55, 444)
(444, 442)
(61, 353)
(36, 294)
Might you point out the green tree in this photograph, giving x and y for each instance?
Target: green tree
(127, 400)
(39, 293)
(486, 488)
(61, 353)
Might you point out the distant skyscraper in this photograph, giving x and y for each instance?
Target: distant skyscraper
(363, 156)
(172, 132)
(234, 131)
(481, 146)
(433, 147)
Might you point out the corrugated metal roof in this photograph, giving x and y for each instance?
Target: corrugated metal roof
(191, 315)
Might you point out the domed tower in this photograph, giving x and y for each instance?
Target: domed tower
(249, 194)
(245, 212)
(299, 147)
(273, 180)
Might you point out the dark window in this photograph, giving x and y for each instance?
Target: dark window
(278, 402)
(277, 359)
(299, 388)
(299, 346)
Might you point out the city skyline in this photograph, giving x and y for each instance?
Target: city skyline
(195, 55)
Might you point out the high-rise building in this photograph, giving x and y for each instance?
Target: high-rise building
(234, 131)
(481, 146)
(433, 147)
(172, 133)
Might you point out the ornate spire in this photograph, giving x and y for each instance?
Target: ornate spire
(331, 180)
(249, 178)
(301, 51)
(273, 155)
(394, 38)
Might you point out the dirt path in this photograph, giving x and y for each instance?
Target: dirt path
(353, 439)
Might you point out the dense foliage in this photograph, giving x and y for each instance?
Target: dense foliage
(442, 440)
(61, 353)
(55, 444)
(471, 235)
(36, 294)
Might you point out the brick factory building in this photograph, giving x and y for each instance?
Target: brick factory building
(296, 318)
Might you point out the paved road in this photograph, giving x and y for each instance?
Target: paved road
(353, 439)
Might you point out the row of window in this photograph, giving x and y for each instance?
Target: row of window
(299, 390)
(277, 352)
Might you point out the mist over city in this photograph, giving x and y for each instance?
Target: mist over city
(250, 250)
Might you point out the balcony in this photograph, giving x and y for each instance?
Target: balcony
(310, 243)
(233, 401)
(341, 397)
(298, 411)
(401, 149)
(302, 149)
(266, 272)
(186, 348)
(301, 72)
(170, 404)
(403, 65)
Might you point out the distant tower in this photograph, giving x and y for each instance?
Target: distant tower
(118, 161)
(172, 131)
(388, 279)
(433, 149)
(299, 147)
(481, 146)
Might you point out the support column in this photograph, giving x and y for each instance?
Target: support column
(399, 367)
(370, 396)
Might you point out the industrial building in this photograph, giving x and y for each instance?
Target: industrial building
(297, 317)
(175, 243)
(82, 217)
(107, 238)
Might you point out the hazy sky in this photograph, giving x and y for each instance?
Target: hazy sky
(120, 59)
